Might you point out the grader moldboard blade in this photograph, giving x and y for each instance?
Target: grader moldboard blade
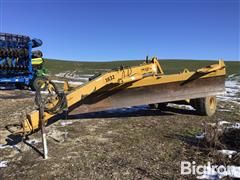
(131, 86)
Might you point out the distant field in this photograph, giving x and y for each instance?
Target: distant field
(169, 66)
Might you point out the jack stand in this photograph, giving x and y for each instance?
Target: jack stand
(42, 123)
(43, 131)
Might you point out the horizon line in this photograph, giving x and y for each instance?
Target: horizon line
(164, 59)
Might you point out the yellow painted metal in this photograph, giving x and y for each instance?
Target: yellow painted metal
(66, 86)
(37, 61)
(212, 68)
(145, 74)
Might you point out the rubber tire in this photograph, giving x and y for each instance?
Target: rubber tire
(160, 106)
(205, 106)
(37, 54)
(36, 81)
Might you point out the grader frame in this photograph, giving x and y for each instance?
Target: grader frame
(131, 86)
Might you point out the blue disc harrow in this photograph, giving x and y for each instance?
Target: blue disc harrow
(16, 58)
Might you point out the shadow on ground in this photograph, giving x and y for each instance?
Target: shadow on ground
(137, 111)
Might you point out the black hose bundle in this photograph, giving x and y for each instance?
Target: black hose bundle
(48, 92)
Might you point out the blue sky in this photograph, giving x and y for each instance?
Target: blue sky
(127, 29)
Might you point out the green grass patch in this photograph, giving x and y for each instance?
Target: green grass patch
(169, 66)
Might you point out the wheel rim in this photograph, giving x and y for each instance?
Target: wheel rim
(212, 103)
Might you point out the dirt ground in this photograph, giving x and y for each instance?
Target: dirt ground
(131, 143)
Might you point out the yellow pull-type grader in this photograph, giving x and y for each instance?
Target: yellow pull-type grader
(131, 86)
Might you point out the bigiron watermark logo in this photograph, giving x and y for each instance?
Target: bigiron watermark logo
(191, 168)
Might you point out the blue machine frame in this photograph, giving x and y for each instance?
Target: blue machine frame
(14, 68)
